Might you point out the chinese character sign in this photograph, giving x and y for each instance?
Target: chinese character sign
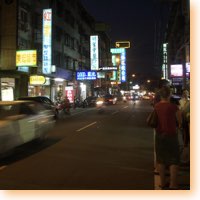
(47, 34)
(86, 75)
(26, 58)
(94, 52)
(123, 66)
(69, 93)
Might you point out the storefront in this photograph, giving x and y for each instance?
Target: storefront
(39, 86)
(7, 87)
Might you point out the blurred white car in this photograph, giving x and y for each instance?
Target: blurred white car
(21, 122)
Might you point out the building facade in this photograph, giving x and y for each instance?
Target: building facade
(177, 39)
(22, 28)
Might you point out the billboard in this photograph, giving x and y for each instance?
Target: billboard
(176, 70)
(26, 58)
(46, 44)
(94, 52)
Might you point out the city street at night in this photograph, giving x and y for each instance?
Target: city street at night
(88, 150)
(96, 95)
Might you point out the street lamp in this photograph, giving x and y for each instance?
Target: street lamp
(133, 75)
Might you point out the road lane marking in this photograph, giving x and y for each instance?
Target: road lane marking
(115, 112)
(125, 107)
(86, 126)
(3, 167)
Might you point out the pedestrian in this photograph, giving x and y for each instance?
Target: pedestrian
(156, 99)
(185, 111)
(166, 139)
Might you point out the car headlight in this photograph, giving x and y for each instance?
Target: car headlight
(99, 102)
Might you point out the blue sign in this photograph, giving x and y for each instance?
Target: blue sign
(86, 75)
(123, 66)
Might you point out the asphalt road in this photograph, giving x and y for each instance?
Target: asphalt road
(88, 150)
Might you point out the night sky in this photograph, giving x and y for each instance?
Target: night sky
(132, 20)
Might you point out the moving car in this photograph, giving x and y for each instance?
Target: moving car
(110, 99)
(21, 122)
(45, 101)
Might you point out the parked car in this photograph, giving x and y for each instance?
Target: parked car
(45, 101)
(21, 122)
(90, 101)
(110, 99)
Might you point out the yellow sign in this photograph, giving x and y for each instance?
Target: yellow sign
(37, 80)
(123, 44)
(26, 58)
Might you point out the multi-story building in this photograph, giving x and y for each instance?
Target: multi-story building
(178, 44)
(68, 29)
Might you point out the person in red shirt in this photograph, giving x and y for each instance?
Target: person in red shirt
(166, 140)
(65, 105)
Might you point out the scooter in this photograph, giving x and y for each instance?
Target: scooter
(100, 106)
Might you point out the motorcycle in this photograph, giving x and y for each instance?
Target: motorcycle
(100, 105)
(64, 108)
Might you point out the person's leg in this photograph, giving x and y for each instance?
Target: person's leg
(155, 161)
(173, 176)
(162, 170)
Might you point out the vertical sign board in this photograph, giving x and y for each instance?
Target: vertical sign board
(123, 66)
(164, 66)
(47, 32)
(122, 69)
(70, 93)
(94, 52)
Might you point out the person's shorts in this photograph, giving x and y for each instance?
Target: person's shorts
(167, 149)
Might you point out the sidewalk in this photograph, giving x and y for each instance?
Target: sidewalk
(183, 177)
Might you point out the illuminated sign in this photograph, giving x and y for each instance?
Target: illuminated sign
(26, 58)
(70, 93)
(37, 80)
(122, 44)
(165, 65)
(23, 69)
(47, 32)
(176, 70)
(108, 68)
(187, 65)
(114, 76)
(86, 75)
(101, 75)
(94, 52)
(123, 67)
(117, 50)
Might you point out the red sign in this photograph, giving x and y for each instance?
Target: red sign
(70, 94)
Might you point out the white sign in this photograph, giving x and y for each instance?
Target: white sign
(94, 52)
(47, 32)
